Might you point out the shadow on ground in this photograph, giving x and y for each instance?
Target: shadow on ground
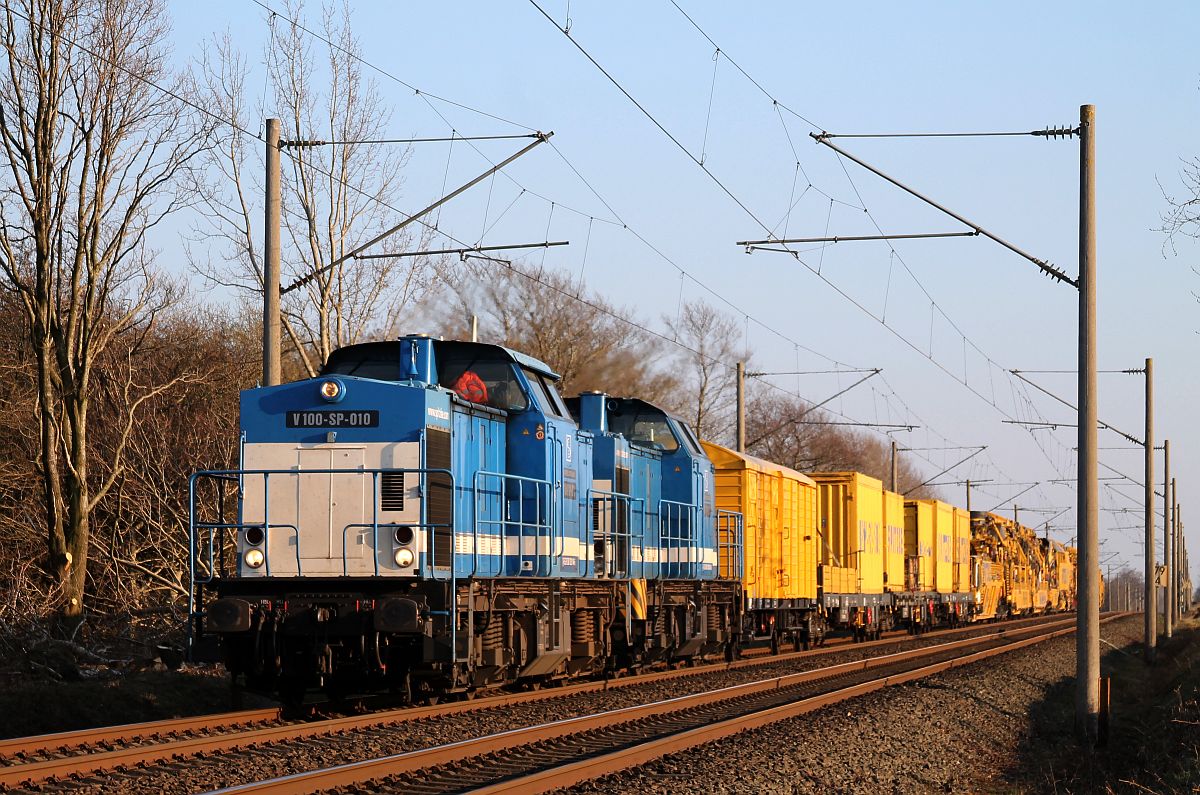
(1154, 729)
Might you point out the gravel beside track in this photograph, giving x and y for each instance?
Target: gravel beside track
(231, 768)
(953, 732)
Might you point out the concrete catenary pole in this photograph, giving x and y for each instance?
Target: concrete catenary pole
(1150, 619)
(1087, 645)
(741, 407)
(1168, 630)
(1173, 601)
(968, 498)
(272, 374)
(894, 485)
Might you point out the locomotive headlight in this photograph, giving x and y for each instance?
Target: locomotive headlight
(254, 558)
(333, 390)
(404, 558)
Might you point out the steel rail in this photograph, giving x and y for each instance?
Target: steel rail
(357, 773)
(607, 764)
(80, 740)
(131, 732)
(892, 637)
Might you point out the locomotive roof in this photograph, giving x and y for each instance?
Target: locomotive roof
(636, 404)
(390, 349)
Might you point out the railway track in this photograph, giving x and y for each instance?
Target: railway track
(24, 761)
(567, 752)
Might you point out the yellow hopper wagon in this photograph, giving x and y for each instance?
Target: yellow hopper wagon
(779, 510)
(851, 531)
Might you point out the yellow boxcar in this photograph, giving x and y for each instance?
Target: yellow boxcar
(962, 551)
(942, 535)
(943, 543)
(850, 507)
(893, 541)
(779, 509)
(918, 545)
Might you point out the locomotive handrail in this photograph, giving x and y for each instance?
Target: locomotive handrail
(671, 509)
(616, 498)
(521, 523)
(374, 472)
(239, 476)
(733, 522)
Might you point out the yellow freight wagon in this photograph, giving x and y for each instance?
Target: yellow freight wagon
(992, 571)
(962, 552)
(943, 545)
(851, 516)
(938, 542)
(918, 545)
(1038, 567)
(1061, 579)
(1010, 545)
(779, 510)
(943, 528)
(893, 542)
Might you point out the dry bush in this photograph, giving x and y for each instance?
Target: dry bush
(137, 578)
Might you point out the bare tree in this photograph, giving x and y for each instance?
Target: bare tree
(1182, 216)
(785, 429)
(91, 151)
(335, 196)
(549, 315)
(711, 349)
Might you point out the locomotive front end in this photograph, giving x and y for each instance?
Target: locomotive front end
(343, 515)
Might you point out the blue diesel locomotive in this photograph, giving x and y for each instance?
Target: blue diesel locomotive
(430, 517)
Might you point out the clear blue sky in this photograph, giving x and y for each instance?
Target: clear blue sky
(872, 67)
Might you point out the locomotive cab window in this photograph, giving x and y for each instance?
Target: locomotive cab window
(545, 396)
(377, 360)
(480, 376)
(645, 427)
(689, 438)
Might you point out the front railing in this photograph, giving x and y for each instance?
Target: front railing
(730, 545)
